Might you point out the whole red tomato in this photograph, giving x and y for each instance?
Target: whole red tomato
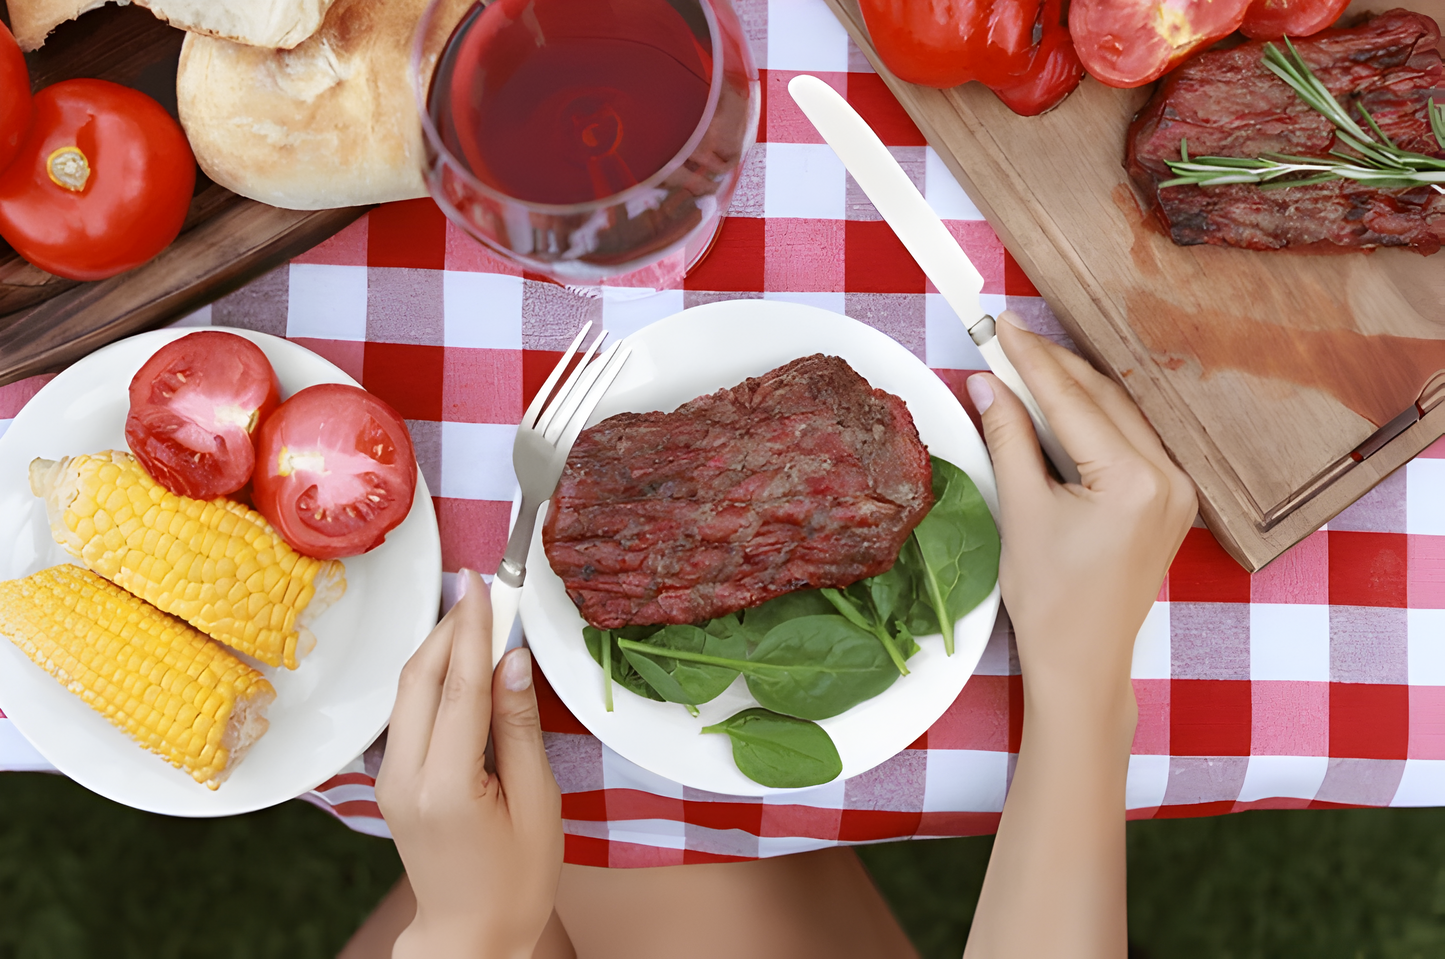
(335, 471)
(942, 43)
(1272, 19)
(196, 407)
(14, 97)
(100, 185)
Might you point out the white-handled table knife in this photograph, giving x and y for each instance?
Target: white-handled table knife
(923, 234)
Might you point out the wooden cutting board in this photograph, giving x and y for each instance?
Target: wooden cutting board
(228, 240)
(1260, 370)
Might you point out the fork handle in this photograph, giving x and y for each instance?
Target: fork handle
(505, 600)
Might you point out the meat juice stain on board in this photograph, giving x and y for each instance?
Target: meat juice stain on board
(1376, 376)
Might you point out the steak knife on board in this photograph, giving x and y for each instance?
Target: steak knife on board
(1262, 371)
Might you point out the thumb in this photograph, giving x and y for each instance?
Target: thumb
(1018, 463)
(521, 759)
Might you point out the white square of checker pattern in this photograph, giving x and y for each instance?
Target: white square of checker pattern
(804, 181)
(1425, 646)
(1152, 645)
(1283, 777)
(477, 460)
(804, 35)
(1290, 642)
(942, 191)
(482, 310)
(326, 302)
(1148, 781)
(965, 780)
(1425, 496)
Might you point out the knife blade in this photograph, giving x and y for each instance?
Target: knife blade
(923, 234)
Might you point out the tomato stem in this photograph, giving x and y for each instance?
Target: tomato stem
(68, 168)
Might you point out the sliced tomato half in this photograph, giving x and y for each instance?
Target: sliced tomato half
(195, 409)
(336, 471)
(1273, 19)
(1128, 43)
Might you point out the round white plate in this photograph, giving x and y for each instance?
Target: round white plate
(698, 351)
(326, 712)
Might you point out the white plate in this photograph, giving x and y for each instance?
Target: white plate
(326, 712)
(698, 351)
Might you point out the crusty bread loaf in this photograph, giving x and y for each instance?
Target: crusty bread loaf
(262, 23)
(330, 123)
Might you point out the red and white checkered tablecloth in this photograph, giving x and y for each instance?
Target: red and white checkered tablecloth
(1319, 682)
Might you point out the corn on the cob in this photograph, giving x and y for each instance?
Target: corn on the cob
(217, 565)
(166, 685)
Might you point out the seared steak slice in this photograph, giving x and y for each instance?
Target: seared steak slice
(1227, 103)
(803, 477)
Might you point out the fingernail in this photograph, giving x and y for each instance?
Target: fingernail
(1012, 319)
(517, 669)
(980, 392)
(464, 577)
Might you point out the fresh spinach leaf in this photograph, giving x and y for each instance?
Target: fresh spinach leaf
(820, 666)
(812, 667)
(690, 683)
(780, 751)
(851, 606)
(622, 672)
(805, 602)
(958, 548)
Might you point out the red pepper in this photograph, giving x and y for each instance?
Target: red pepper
(1272, 19)
(1054, 72)
(942, 43)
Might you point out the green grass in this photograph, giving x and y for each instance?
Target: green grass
(81, 877)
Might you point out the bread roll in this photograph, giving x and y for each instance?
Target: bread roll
(330, 123)
(262, 23)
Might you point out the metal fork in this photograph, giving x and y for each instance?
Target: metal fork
(544, 439)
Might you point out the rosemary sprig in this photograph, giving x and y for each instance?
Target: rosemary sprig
(1380, 163)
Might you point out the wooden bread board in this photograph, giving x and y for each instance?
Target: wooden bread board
(1259, 369)
(228, 240)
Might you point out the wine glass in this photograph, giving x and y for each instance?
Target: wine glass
(585, 139)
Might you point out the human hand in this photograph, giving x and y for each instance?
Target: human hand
(483, 849)
(1081, 563)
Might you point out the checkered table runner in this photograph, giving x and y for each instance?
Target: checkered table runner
(1319, 682)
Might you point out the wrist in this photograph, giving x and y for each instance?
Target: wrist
(1091, 716)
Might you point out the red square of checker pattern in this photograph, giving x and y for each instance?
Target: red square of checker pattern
(875, 103)
(735, 263)
(1369, 720)
(1015, 281)
(876, 261)
(410, 233)
(1209, 717)
(409, 377)
(1369, 569)
(988, 715)
(1204, 573)
(473, 532)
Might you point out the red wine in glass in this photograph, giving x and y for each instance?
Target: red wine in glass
(588, 138)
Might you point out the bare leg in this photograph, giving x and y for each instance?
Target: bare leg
(819, 904)
(397, 909)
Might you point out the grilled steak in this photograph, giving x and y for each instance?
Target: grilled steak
(803, 477)
(1226, 103)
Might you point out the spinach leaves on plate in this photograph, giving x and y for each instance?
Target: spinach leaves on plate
(813, 667)
(815, 653)
(780, 751)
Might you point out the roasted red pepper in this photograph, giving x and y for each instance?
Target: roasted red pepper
(1054, 72)
(1016, 47)
(1272, 19)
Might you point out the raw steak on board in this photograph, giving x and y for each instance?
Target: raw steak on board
(1227, 103)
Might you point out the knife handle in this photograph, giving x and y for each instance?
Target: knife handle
(986, 340)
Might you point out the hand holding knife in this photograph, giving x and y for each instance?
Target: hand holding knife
(923, 234)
